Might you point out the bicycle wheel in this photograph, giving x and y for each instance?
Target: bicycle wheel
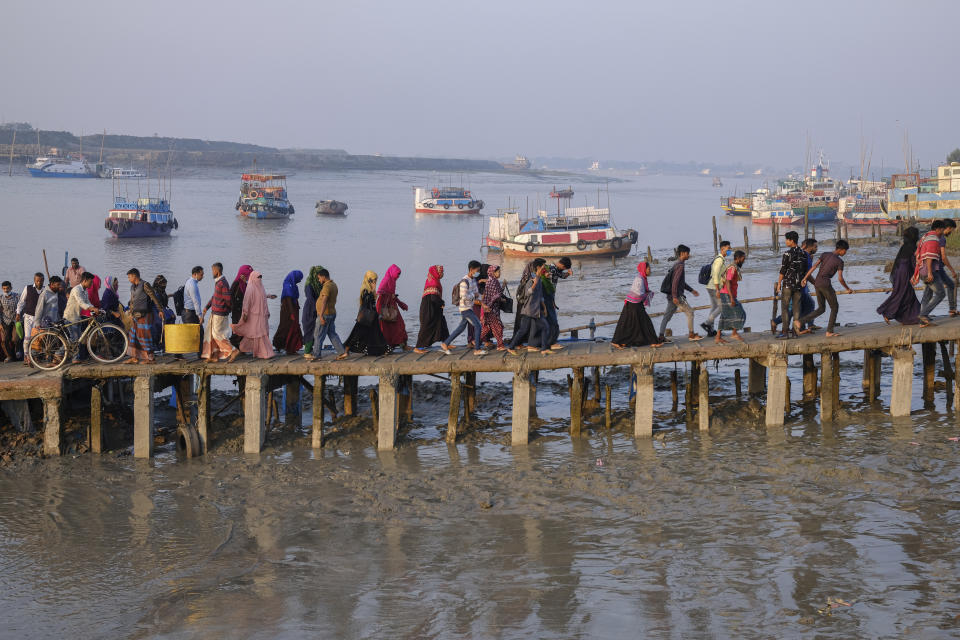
(107, 343)
(47, 350)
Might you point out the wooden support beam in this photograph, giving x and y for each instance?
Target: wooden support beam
(756, 377)
(319, 387)
(52, 427)
(389, 413)
(674, 393)
(956, 381)
(704, 397)
(203, 412)
(776, 389)
(143, 416)
(828, 386)
(96, 419)
(470, 393)
(374, 406)
(809, 377)
(576, 402)
(254, 412)
(350, 387)
(873, 375)
(453, 416)
(607, 413)
(533, 394)
(902, 391)
(292, 411)
(928, 352)
(643, 413)
(596, 386)
(523, 397)
(737, 384)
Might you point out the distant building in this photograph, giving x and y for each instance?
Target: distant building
(520, 163)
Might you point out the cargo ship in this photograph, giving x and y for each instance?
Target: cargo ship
(445, 200)
(910, 196)
(140, 217)
(263, 196)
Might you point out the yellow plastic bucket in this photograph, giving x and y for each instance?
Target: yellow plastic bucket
(181, 338)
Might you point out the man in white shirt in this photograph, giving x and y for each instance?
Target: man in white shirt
(469, 294)
(26, 308)
(717, 269)
(77, 302)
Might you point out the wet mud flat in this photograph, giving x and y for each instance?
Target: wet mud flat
(840, 530)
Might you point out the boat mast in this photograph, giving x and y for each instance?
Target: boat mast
(10, 171)
(100, 159)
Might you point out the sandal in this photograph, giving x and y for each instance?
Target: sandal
(694, 337)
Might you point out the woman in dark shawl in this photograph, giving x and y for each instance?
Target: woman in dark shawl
(162, 315)
(237, 290)
(634, 328)
(902, 304)
(366, 336)
(529, 271)
(289, 337)
(308, 317)
(433, 325)
(110, 301)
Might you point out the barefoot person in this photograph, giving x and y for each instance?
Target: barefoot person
(902, 304)
(675, 286)
(732, 314)
(634, 328)
(830, 263)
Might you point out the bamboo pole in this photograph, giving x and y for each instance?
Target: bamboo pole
(12, 144)
(716, 248)
(746, 241)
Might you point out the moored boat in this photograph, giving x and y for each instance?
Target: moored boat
(911, 196)
(58, 167)
(445, 200)
(866, 210)
(577, 232)
(736, 206)
(768, 211)
(263, 196)
(331, 208)
(139, 217)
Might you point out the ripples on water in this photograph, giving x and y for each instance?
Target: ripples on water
(742, 532)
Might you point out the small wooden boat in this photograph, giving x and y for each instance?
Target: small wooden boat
(331, 208)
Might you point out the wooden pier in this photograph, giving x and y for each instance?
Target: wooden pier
(768, 362)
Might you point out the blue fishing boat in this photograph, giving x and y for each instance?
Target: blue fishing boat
(139, 217)
(58, 167)
(263, 196)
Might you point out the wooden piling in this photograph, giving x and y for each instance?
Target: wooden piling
(786, 403)
(643, 413)
(350, 388)
(746, 242)
(716, 249)
(607, 413)
(596, 386)
(956, 381)
(53, 427)
(902, 390)
(737, 383)
(649, 255)
(142, 416)
(533, 393)
(704, 399)
(255, 398)
(522, 398)
(928, 352)
(873, 376)
(776, 390)
(319, 388)
(756, 377)
(95, 441)
(806, 222)
(374, 406)
(389, 411)
(203, 412)
(829, 372)
(453, 415)
(674, 392)
(576, 402)
(809, 377)
(292, 408)
(470, 392)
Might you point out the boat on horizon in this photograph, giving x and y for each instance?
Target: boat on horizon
(263, 196)
(55, 166)
(445, 200)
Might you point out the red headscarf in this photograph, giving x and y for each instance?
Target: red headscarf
(389, 282)
(432, 285)
(243, 275)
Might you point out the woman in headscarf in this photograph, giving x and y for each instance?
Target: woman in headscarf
(902, 304)
(366, 336)
(289, 337)
(93, 294)
(433, 325)
(529, 271)
(634, 328)
(308, 317)
(162, 314)
(110, 302)
(237, 291)
(254, 325)
(490, 319)
(389, 306)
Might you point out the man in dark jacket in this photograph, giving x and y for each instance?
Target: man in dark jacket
(677, 299)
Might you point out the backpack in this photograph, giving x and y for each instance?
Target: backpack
(704, 276)
(667, 285)
(521, 296)
(455, 293)
(178, 301)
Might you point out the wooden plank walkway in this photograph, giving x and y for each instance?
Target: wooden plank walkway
(768, 359)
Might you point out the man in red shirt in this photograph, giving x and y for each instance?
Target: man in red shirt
(216, 335)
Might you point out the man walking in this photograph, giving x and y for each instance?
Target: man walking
(8, 320)
(26, 308)
(950, 284)
(326, 317)
(466, 295)
(73, 274)
(793, 266)
(830, 263)
(559, 270)
(78, 301)
(141, 331)
(47, 310)
(192, 304)
(675, 286)
(930, 269)
(715, 284)
(216, 337)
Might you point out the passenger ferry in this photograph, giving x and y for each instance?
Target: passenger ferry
(140, 217)
(58, 167)
(765, 210)
(445, 200)
(263, 196)
(575, 232)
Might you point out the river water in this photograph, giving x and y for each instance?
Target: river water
(742, 532)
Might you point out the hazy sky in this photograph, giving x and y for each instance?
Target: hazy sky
(673, 80)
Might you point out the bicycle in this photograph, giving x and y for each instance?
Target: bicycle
(52, 347)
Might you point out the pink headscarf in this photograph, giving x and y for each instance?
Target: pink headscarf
(243, 277)
(255, 327)
(389, 282)
(432, 285)
(255, 298)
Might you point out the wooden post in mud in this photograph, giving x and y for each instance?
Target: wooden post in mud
(203, 411)
(470, 392)
(52, 427)
(453, 416)
(746, 242)
(829, 385)
(902, 389)
(737, 383)
(389, 413)
(533, 393)
(254, 412)
(776, 390)
(405, 397)
(809, 377)
(756, 377)
(643, 413)
(704, 409)
(806, 222)
(873, 379)
(96, 419)
(142, 416)
(693, 389)
(292, 408)
(596, 386)
(350, 384)
(716, 249)
(374, 403)
(928, 351)
(956, 379)
(673, 390)
(649, 256)
(576, 402)
(522, 397)
(786, 395)
(607, 412)
(319, 387)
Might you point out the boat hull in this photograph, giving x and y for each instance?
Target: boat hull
(779, 220)
(138, 229)
(817, 213)
(531, 250)
(869, 221)
(39, 173)
(735, 211)
(265, 214)
(451, 210)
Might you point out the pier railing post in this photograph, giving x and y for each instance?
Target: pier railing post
(576, 403)
(521, 408)
(203, 412)
(704, 404)
(143, 416)
(254, 412)
(389, 413)
(776, 390)
(319, 389)
(900, 394)
(643, 413)
(52, 426)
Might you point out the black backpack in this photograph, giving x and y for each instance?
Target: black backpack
(667, 285)
(704, 277)
(178, 301)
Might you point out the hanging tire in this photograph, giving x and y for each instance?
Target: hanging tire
(175, 224)
(106, 225)
(460, 206)
(446, 206)
(633, 237)
(616, 243)
(601, 243)
(529, 247)
(188, 441)
(164, 228)
(291, 210)
(581, 244)
(154, 226)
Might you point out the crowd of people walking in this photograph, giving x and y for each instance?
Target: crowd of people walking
(239, 320)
